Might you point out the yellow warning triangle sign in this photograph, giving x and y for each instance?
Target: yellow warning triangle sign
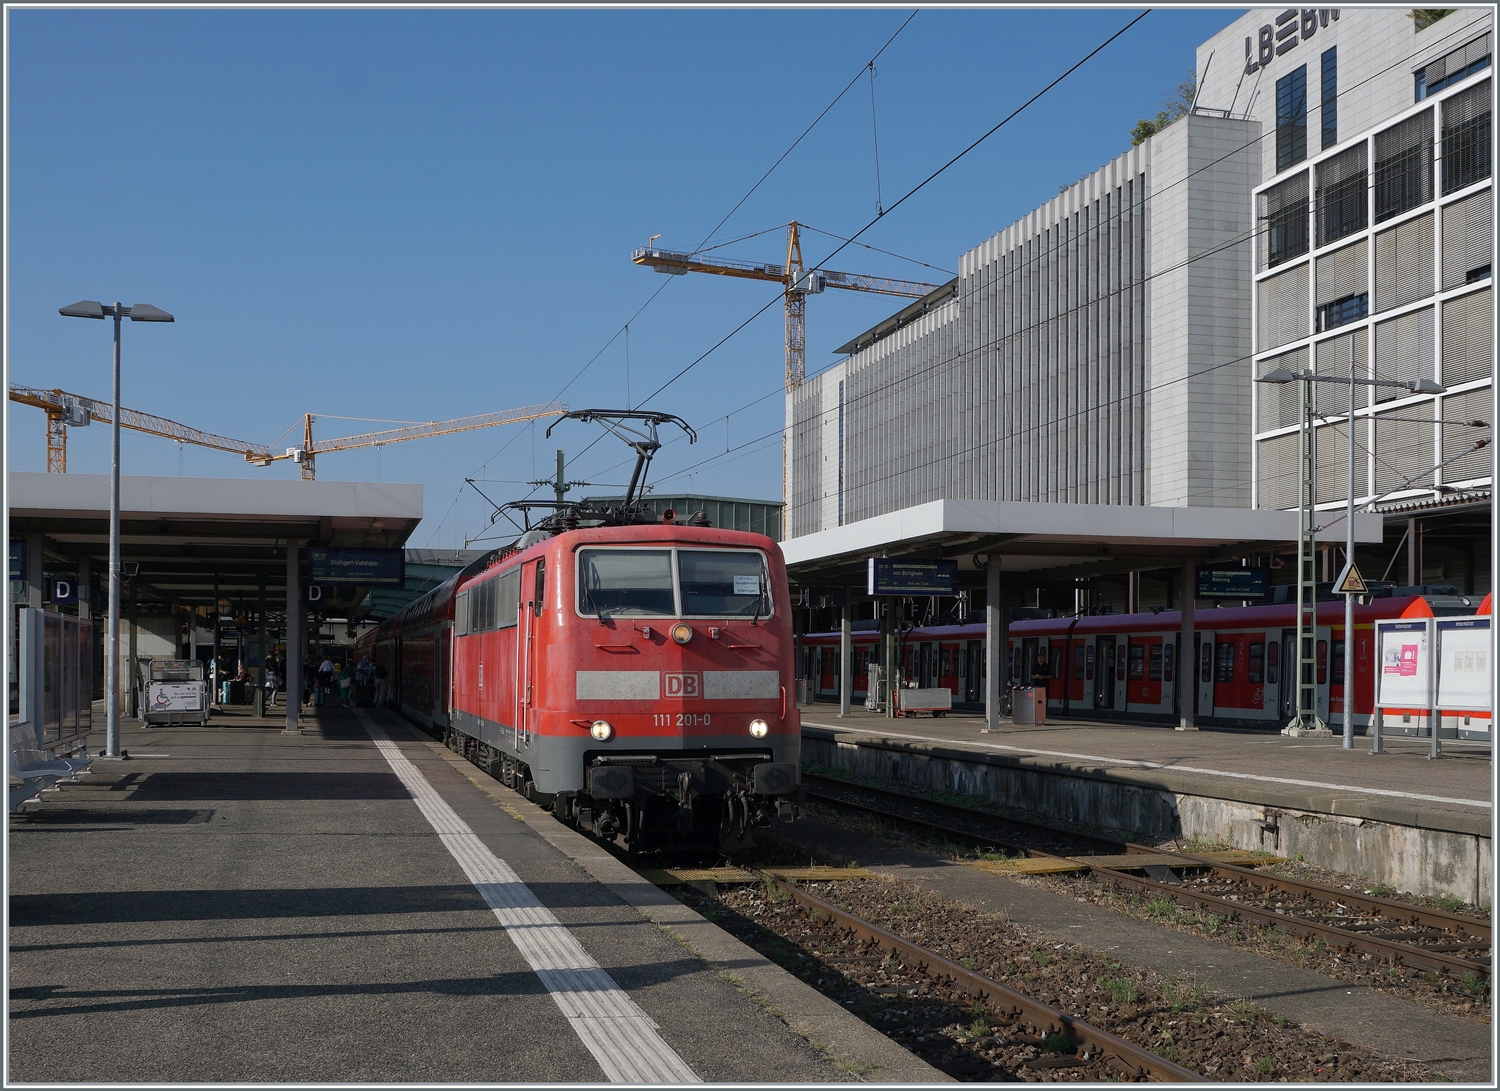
(1350, 582)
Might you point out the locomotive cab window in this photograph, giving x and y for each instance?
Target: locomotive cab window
(715, 583)
(723, 583)
(625, 582)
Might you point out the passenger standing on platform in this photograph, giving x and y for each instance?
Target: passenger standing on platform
(325, 680)
(362, 672)
(382, 685)
(309, 677)
(272, 681)
(346, 686)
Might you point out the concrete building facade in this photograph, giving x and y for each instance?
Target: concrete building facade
(1087, 353)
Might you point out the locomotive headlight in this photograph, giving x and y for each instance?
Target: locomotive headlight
(601, 730)
(682, 633)
(758, 728)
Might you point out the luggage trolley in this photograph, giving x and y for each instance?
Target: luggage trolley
(176, 692)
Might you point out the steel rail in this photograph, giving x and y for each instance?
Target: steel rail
(1411, 954)
(1411, 914)
(1043, 1016)
(1408, 953)
(1402, 911)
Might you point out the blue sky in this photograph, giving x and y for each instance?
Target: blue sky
(420, 214)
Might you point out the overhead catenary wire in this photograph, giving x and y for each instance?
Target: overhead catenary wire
(1122, 212)
(913, 192)
(714, 230)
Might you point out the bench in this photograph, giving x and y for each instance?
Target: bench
(34, 768)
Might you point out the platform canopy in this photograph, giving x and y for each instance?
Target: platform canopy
(1056, 541)
(184, 534)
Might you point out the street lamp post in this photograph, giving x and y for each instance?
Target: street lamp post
(1305, 716)
(140, 312)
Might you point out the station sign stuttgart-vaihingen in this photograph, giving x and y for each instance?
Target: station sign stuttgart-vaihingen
(892, 577)
(365, 567)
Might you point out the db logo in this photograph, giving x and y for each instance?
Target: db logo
(684, 685)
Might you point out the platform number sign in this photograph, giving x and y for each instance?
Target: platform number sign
(65, 592)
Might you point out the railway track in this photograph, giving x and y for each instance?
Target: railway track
(1416, 936)
(1012, 1007)
(984, 1000)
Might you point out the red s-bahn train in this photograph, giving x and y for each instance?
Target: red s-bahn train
(635, 678)
(1126, 666)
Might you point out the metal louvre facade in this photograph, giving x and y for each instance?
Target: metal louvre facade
(1088, 356)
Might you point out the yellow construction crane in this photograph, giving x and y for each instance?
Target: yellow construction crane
(64, 409)
(799, 284)
(306, 454)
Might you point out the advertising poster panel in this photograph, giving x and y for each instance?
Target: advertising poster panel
(1405, 664)
(1465, 666)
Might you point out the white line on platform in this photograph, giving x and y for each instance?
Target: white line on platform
(1160, 765)
(622, 1037)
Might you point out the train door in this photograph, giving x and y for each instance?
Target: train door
(1081, 674)
(1288, 697)
(1273, 686)
(1104, 672)
(973, 655)
(1205, 677)
(1122, 661)
(533, 579)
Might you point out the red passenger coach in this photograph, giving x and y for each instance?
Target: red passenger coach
(1127, 666)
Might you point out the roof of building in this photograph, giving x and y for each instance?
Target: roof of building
(1052, 541)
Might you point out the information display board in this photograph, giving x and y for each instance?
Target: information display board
(889, 576)
(176, 696)
(1405, 663)
(1466, 669)
(365, 567)
(1233, 583)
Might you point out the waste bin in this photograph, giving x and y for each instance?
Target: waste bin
(1030, 705)
(802, 691)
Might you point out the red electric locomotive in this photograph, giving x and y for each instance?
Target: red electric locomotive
(634, 676)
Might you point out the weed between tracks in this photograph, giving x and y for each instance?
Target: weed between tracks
(1467, 997)
(1181, 1020)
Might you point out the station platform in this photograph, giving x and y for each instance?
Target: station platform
(233, 903)
(1398, 818)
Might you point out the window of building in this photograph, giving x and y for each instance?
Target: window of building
(1466, 138)
(1403, 166)
(1276, 473)
(1291, 119)
(1403, 351)
(1283, 307)
(1343, 311)
(1342, 282)
(1468, 339)
(1343, 204)
(1403, 263)
(1448, 69)
(1467, 245)
(1329, 104)
(1470, 464)
(1333, 359)
(1284, 212)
